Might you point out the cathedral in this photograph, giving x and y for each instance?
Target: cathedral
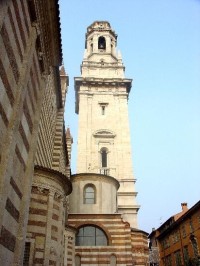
(49, 216)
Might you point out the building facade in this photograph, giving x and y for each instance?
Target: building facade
(33, 153)
(105, 211)
(178, 239)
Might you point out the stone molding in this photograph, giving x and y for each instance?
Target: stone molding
(104, 133)
(94, 176)
(53, 175)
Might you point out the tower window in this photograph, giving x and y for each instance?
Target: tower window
(102, 43)
(104, 159)
(103, 109)
(91, 236)
(89, 194)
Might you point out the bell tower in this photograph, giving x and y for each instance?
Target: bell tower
(102, 105)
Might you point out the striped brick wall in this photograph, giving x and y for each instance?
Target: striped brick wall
(69, 245)
(20, 82)
(140, 248)
(119, 240)
(47, 214)
(51, 148)
(59, 157)
(47, 125)
(23, 81)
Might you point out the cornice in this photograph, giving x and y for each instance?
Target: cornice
(100, 82)
(129, 207)
(94, 176)
(106, 82)
(127, 193)
(47, 16)
(56, 176)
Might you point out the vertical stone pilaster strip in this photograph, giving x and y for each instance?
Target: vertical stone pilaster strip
(65, 248)
(48, 228)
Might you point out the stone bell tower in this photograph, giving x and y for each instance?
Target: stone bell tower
(102, 104)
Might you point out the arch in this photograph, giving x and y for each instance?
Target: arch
(102, 43)
(91, 235)
(89, 194)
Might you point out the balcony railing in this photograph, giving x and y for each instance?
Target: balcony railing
(104, 171)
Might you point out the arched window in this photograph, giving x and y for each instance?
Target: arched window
(113, 260)
(77, 260)
(102, 43)
(104, 157)
(89, 194)
(91, 236)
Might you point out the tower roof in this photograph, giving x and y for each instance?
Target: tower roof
(62, 71)
(100, 26)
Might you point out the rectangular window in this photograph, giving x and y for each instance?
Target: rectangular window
(168, 261)
(177, 256)
(103, 107)
(191, 227)
(27, 253)
(183, 231)
(103, 110)
(185, 255)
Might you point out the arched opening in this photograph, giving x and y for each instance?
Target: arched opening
(91, 236)
(102, 43)
(104, 157)
(89, 194)
(77, 260)
(113, 260)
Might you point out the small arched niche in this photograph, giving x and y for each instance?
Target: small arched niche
(113, 260)
(77, 260)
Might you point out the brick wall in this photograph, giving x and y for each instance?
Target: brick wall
(180, 242)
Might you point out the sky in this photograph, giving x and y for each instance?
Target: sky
(160, 46)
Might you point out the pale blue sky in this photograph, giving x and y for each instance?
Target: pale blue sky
(160, 45)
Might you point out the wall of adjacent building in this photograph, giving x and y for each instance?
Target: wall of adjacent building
(31, 110)
(181, 240)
